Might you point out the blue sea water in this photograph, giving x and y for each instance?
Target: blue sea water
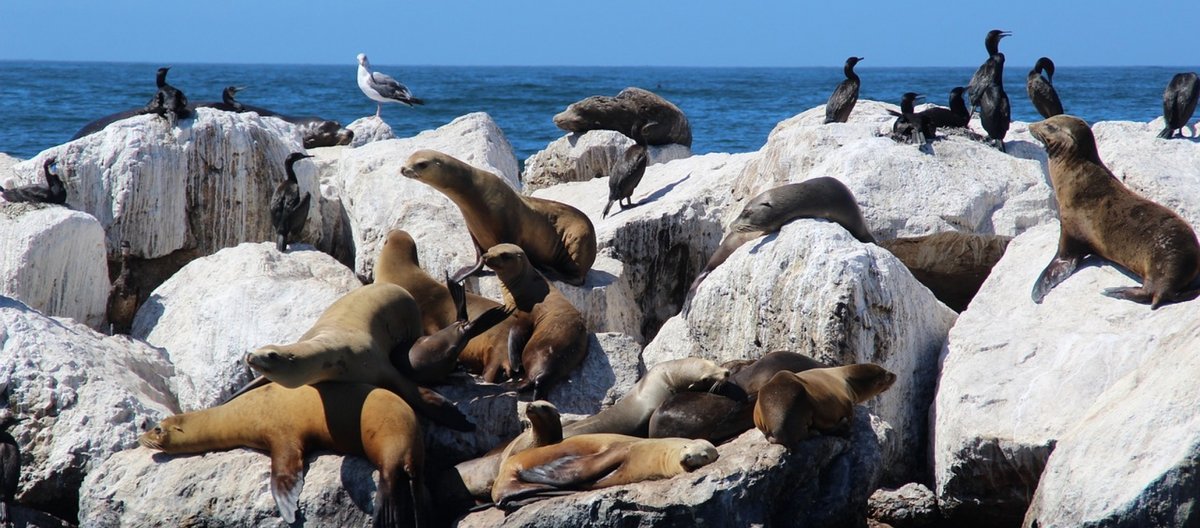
(43, 104)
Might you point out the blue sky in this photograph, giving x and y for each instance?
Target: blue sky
(613, 32)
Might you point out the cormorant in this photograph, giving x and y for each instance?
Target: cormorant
(841, 103)
(911, 125)
(995, 114)
(621, 185)
(169, 101)
(1041, 90)
(1179, 102)
(382, 88)
(122, 299)
(990, 72)
(957, 116)
(288, 210)
(228, 103)
(54, 192)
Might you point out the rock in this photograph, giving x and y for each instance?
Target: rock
(592, 154)
(53, 259)
(493, 409)
(909, 506)
(6, 169)
(824, 483)
(217, 308)
(891, 181)
(377, 198)
(610, 370)
(1165, 171)
(142, 487)
(79, 397)
(337, 239)
(813, 289)
(1131, 458)
(640, 114)
(23, 517)
(1016, 376)
(369, 129)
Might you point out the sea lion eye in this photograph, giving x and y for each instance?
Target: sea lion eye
(420, 165)
(157, 430)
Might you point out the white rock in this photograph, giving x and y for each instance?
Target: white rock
(1131, 459)
(1165, 171)
(337, 239)
(377, 198)
(204, 184)
(1016, 376)
(53, 259)
(892, 181)
(79, 396)
(813, 289)
(369, 129)
(217, 308)
(142, 487)
(593, 154)
(6, 169)
(609, 371)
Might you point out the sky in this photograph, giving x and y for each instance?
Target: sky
(776, 33)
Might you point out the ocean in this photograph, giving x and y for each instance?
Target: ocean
(43, 104)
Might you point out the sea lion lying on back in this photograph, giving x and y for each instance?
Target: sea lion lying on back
(795, 406)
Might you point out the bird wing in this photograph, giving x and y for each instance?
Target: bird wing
(846, 94)
(389, 87)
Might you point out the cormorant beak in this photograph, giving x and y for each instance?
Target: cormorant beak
(1005, 34)
(237, 89)
(919, 98)
(860, 59)
(306, 156)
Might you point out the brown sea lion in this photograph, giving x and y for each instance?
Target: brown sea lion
(1100, 216)
(594, 461)
(558, 238)
(823, 197)
(795, 406)
(347, 418)
(123, 297)
(557, 335)
(644, 116)
(951, 264)
(353, 341)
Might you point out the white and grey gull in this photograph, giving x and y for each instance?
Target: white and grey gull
(382, 88)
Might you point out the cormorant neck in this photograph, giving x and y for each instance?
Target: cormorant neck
(848, 69)
(291, 171)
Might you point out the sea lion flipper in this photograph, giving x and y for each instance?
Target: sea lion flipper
(441, 410)
(254, 384)
(458, 294)
(1057, 271)
(486, 320)
(576, 471)
(395, 503)
(518, 336)
(287, 479)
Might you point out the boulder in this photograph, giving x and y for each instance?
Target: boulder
(909, 506)
(78, 397)
(1131, 459)
(824, 482)
(369, 129)
(592, 154)
(337, 239)
(6, 169)
(640, 114)
(812, 288)
(1017, 376)
(23, 517)
(217, 308)
(979, 189)
(377, 198)
(1165, 171)
(53, 259)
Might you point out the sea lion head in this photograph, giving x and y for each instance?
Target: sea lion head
(424, 165)
(507, 260)
(868, 380)
(588, 114)
(399, 251)
(693, 374)
(1066, 137)
(289, 367)
(170, 435)
(544, 418)
(696, 454)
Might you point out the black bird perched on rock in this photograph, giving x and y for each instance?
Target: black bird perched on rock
(228, 102)
(54, 192)
(122, 299)
(992, 69)
(911, 125)
(288, 210)
(169, 101)
(1041, 89)
(1179, 102)
(957, 116)
(995, 114)
(10, 470)
(841, 103)
(622, 184)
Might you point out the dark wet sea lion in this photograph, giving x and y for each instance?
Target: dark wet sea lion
(642, 115)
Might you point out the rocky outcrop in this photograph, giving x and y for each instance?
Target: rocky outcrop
(53, 260)
(1165, 171)
(813, 289)
(1017, 376)
(823, 483)
(369, 129)
(78, 396)
(640, 114)
(6, 169)
(217, 308)
(592, 154)
(909, 506)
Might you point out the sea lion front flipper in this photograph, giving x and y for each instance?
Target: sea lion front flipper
(1057, 271)
(287, 479)
(573, 472)
(459, 295)
(527, 495)
(518, 336)
(467, 271)
(486, 320)
(254, 384)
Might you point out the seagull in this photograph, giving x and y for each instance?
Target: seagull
(382, 88)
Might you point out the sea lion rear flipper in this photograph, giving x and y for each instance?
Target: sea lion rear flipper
(396, 503)
(528, 494)
(287, 479)
(573, 472)
(254, 384)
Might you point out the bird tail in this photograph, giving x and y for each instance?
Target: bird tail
(415, 101)
(1166, 132)
(606, 208)
(281, 243)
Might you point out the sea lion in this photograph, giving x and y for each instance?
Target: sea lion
(646, 117)
(10, 469)
(795, 406)
(594, 461)
(724, 414)
(53, 193)
(100, 124)
(1179, 102)
(558, 238)
(353, 341)
(823, 197)
(841, 102)
(1098, 215)
(347, 418)
(433, 357)
(123, 297)
(557, 338)
(622, 184)
(318, 131)
(288, 210)
(951, 264)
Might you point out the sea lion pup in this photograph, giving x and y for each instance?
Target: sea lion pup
(594, 461)
(823, 197)
(951, 264)
(347, 418)
(621, 185)
(558, 238)
(53, 193)
(433, 357)
(723, 414)
(841, 102)
(10, 469)
(486, 354)
(352, 341)
(795, 406)
(1098, 215)
(1179, 102)
(557, 338)
(288, 210)
(1041, 89)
